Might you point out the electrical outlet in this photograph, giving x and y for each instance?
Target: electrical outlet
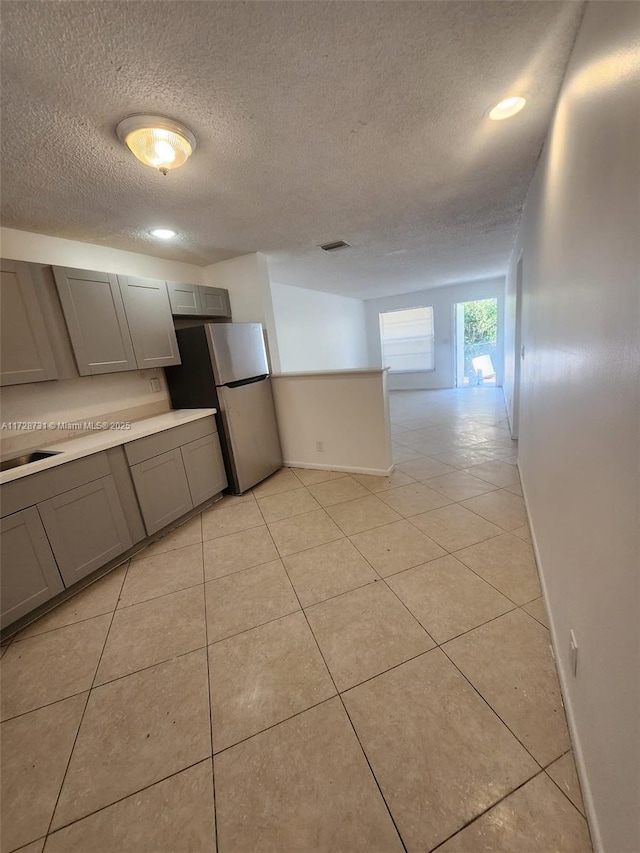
(155, 385)
(320, 446)
(573, 653)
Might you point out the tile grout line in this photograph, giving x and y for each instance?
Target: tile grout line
(447, 554)
(564, 793)
(106, 612)
(345, 710)
(84, 710)
(119, 800)
(209, 690)
(488, 704)
(488, 809)
(335, 686)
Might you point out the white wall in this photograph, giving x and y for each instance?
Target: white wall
(443, 300)
(580, 402)
(243, 277)
(318, 331)
(112, 397)
(40, 248)
(347, 411)
(247, 280)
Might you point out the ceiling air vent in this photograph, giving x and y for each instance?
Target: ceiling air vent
(333, 247)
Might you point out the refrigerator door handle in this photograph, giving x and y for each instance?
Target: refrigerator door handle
(242, 382)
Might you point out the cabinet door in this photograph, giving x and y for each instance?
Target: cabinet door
(96, 320)
(86, 528)
(146, 303)
(25, 351)
(162, 489)
(215, 302)
(204, 466)
(29, 575)
(184, 299)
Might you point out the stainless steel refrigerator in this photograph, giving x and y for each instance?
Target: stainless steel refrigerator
(224, 365)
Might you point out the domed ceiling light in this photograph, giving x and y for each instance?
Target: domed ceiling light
(159, 142)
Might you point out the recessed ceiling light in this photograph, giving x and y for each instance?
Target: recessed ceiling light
(157, 141)
(507, 108)
(163, 233)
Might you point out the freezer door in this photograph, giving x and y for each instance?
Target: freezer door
(251, 433)
(237, 351)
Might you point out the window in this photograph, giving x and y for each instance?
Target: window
(407, 340)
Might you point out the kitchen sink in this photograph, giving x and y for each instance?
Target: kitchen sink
(26, 458)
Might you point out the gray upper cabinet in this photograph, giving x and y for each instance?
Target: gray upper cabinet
(25, 351)
(150, 320)
(86, 527)
(185, 299)
(194, 300)
(29, 573)
(95, 317)
(215, 302)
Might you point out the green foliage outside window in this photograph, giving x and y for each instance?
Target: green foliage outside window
(480, 322)
(480, 332)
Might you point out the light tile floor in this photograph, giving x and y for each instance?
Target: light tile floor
(330, 663)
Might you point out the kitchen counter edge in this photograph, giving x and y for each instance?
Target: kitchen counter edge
(75, 448)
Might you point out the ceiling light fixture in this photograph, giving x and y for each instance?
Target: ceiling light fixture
(159, 142)
(163, 233)
(507, 108)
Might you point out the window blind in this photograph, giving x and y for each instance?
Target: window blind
(407, 340)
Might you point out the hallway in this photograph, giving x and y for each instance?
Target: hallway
(371, 655)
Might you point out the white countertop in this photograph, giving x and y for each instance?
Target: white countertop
(103, 439)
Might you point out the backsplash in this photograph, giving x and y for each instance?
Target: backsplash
(31, 414)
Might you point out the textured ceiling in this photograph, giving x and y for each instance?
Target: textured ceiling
(315, 121)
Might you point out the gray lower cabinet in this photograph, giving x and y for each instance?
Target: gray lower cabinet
(162, 489)
(29, 575)
(150, 320)
(86, 527)
(95, 316)
(204, 467)
(25, 351)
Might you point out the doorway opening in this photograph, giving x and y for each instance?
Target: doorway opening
(476, 342)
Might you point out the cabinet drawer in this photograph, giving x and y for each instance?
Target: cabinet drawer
(29, 573)
(168, 439)
(162, 489)
(204, 468)
(35, 488)
(86, 528)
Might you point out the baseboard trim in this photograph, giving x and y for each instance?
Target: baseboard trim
(587, 797)
(347, 469)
